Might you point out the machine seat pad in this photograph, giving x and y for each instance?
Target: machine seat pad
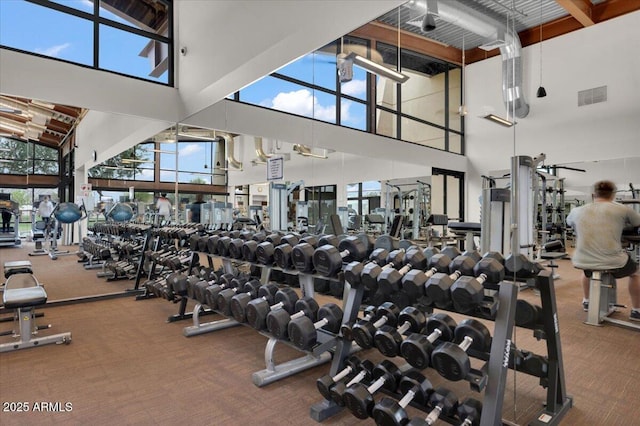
(23, 291)
(17, 267)
(464, 226)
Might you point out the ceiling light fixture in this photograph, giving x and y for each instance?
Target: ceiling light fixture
(135, 160)
(502, 121)
(541, 93)
(377, 68)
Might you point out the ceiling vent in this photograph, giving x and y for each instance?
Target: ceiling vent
(592, 96)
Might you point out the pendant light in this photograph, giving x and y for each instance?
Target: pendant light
(541, 93)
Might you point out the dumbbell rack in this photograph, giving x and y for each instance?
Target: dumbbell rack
(273, 372)
(493, 378)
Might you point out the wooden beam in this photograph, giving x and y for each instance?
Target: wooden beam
(115, 184)
(582, 10)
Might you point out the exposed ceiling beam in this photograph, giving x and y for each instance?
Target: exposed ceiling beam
(581, 10)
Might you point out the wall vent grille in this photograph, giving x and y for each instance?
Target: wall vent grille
(592, 96)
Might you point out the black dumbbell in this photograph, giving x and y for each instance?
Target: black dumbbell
(415, 387)
(352, 364)
(278, 319)
(338, 390)
(363, 331)
(223, 300)
(451, 360)
(417, 348)
(211, 292)
(527, 314)
(413, 282)
(473, 254)
(495, 255)
(235, 248)
(345, 329)
(390, 279)
(327, 259)
(469, 412)
(438, 288)
(303, 332)
(358, 398)
(257, 309)
(468, 292)
(265, 249)
(462, 263)
(451, 251)
(371, 271)
(353, 271)
(240, 301)
(388, 339)
(282, 252)
(519, 265)
(443, 402)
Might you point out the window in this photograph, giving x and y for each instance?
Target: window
(133, 37)
(424, 110)
(19, 157)
(322, 203)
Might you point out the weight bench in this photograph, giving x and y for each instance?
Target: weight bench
(23, 292)
(17, 267)
(468, 230)
(603, 300)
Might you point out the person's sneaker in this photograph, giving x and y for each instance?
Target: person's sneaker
(585, 306)
(634, 316)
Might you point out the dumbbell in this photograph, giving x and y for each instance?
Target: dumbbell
(371, 271)
(462, 263)
(345, 328)
(495, 255)
(240, 301)
(438, 288)
(473, 254)
(278, 319)
(223, 246)
(430, 251)
(519, 265)
(327, 259)
(353, 271)
(338, 390)
(302, 253)
(468, 292)
(358, 398)
(211, 292)
(469, 412)
(282, 252)
(388, 339)
(417, 348)
(415, 387)
(527, 314)
(413, 282)
(235, 248)
(176, 285)
(257, 309)
(443, 402)
(390, 279)
(264, 251)
(223, 299)
(451, 360)
(451, 251)
(363, 331)
(303, 332)
(327, 382)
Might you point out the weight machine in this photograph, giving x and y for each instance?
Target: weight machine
(279, 198)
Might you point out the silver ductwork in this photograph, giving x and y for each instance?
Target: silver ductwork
(229, 150)
(262, 156)
(496, 35)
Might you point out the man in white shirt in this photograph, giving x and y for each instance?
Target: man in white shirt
(164, 206)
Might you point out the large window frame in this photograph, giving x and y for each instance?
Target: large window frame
(157, 42)
(447, 135)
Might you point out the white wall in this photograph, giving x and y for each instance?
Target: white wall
(604, 54)
(357, 156)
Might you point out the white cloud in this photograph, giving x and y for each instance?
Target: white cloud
(302, 102)
(53, 51)
(354, 87)
(190, 149)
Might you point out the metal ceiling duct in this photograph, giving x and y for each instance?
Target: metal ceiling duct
(229, 150)
(262, 156)
(496, 35)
